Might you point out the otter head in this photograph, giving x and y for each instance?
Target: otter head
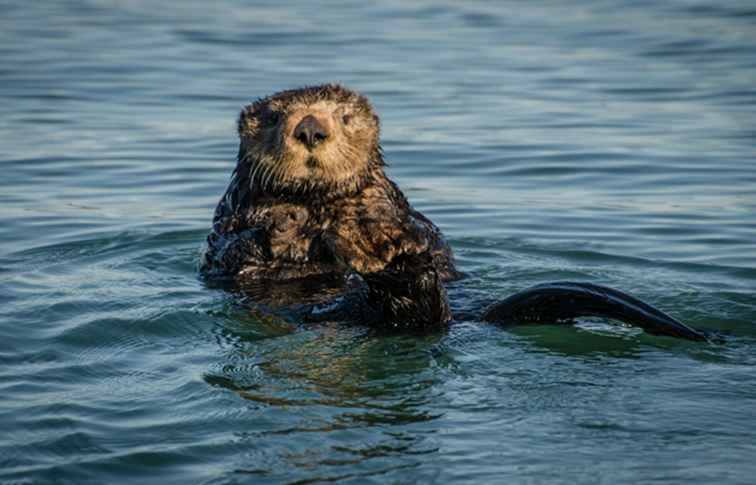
(317, 139)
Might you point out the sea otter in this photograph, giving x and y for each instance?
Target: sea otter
(309, 200)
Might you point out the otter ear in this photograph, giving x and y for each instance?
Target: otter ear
(247, 122)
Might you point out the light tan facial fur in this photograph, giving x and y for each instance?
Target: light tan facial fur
(275, 157)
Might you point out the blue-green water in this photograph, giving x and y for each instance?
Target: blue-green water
(608, 141)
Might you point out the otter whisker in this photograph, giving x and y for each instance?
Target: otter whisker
(268, 173)
(242, 159)
(277, 175)
(261, 176)
(253, 176)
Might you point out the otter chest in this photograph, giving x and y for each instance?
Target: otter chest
(293, 232)
(363, 237)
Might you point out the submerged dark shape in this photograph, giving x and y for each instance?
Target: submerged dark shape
(309, 199)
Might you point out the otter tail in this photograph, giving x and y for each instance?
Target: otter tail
(564, 301)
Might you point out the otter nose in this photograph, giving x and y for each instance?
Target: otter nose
(310, 132)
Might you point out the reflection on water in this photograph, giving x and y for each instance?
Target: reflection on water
(607, 141)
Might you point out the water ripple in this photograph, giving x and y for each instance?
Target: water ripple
(607, 141)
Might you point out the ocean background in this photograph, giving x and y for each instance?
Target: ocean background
(608, 141)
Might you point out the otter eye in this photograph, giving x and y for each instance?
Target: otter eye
(346, 119)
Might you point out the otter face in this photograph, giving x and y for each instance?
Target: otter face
(317, 138)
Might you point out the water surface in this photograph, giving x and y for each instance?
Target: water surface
(611, 142)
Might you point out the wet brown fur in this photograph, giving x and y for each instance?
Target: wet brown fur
(290, 212)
